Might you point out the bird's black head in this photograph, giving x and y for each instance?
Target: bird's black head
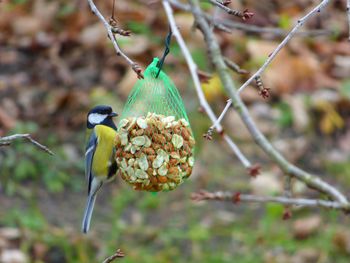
(101, 115)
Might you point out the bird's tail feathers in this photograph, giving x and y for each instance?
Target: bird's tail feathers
(88, 212)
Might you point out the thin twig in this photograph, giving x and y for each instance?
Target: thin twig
(214, 16)
(232, 65)
(284, 42)
(227, 25)
(270, 58)
(348, 12)
(237, 197)
(222, 115)
(245, 15)
(275, 31)
(112, 37)
(193, 70)
(289, 169)
(287, 214)
(288, 186)
(4, 141)
(117, 254)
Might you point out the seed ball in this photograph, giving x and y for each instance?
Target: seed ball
(154, 152)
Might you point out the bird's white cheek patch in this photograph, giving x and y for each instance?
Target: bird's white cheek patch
(96, 118)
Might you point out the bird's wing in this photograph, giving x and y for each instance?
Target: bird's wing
(89, 154)
(112, 169)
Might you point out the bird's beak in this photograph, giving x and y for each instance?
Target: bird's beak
(113, 114)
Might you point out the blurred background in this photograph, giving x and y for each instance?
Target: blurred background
(56, 62)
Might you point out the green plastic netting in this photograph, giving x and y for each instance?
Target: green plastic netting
(156, 95)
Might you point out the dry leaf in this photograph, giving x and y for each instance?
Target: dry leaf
(266, 184)
(303, 228)
(331, 120)
(93, 35)
(213, 89)
(288, 72)
(26, 25)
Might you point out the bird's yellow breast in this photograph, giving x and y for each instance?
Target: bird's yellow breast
(104, 152)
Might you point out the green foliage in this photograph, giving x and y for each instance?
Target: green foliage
(200, 57)
(66, 10)
(30, 219)
(286, 115)
(18, 2)
(37, 166)
(198, 233)
(340, 170)
(254, 62)
(149, 201)
(139, 28)
(205, 5)
(345, 89)
(175, 49)
(284, 21)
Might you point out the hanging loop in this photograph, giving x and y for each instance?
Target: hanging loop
(166, 51)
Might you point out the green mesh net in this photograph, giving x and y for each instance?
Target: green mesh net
(154, 144)
(157, 95)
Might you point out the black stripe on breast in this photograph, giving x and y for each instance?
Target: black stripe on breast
(112, 170)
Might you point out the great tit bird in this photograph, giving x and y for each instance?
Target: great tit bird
(100, 165)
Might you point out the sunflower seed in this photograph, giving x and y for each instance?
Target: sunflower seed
(163, 154)
(148, 142)
(141, 174)
(138, 140)
(184, 122)
(124, 164)
(175, 155)
(166, 187)
(131, 162)
(123, 123)
(183, 160)
(143, 163)
(131, 124)
(158, 161)
(168, 119)
(132, 178)
(123, 138)
(127, 148)
(141, 123)
(130, 171)
(191, 161)
(177, 141)
(163, 170)
(172, 185)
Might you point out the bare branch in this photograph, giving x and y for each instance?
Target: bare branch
(237, 197)
(193, 70)
(287, 214)
(4, 141)
(232, 65)
(348, 12)
(228, 25)
(112, 37)
(271, 56)
(275, 31)
(264, 92)
(117, 254)
(245, 15)
(222, 115)
(289, 169)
